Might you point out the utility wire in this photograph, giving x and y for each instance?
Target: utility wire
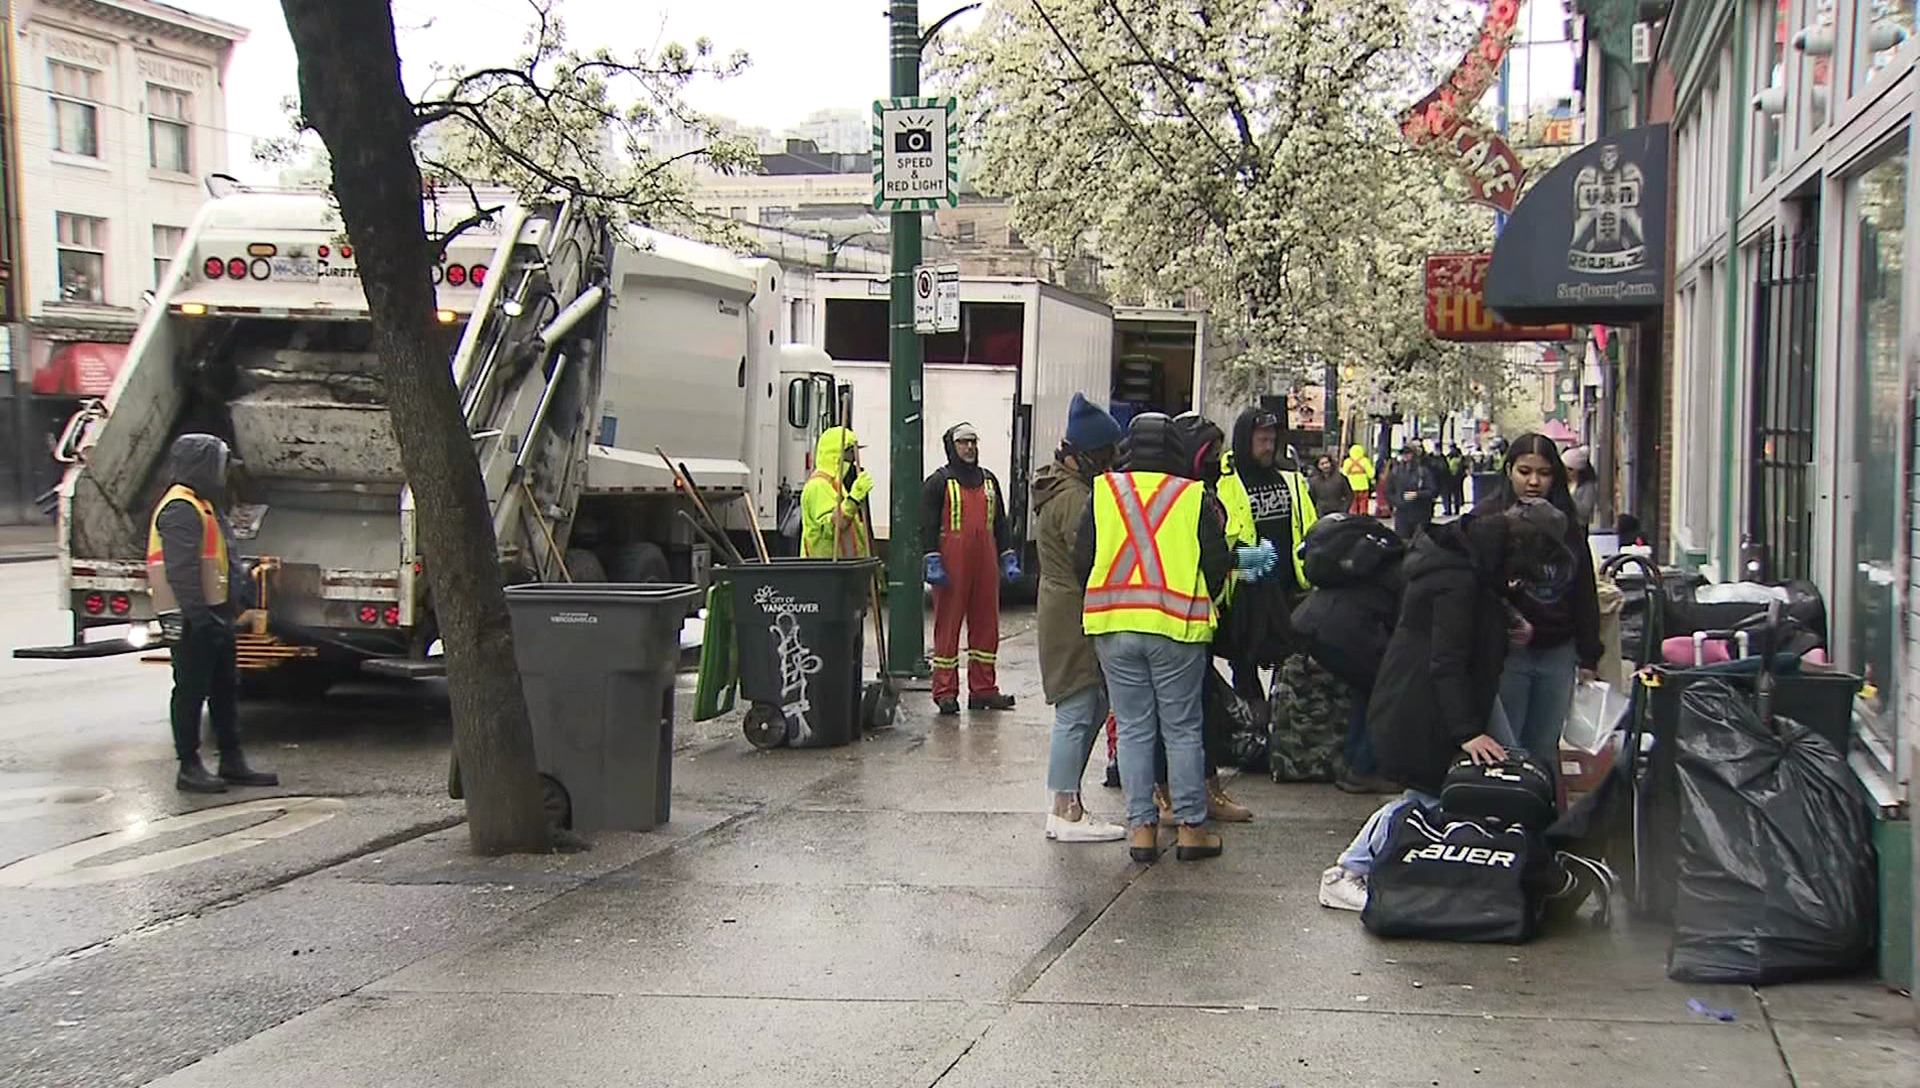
(1178, 98)
(1101, 91)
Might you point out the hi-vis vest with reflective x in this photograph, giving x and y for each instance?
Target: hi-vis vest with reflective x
(213, 553)
(1146, 562)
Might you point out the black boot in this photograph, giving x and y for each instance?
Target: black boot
(234, 771)
(193, 778)
(996, 701)
(947, 707)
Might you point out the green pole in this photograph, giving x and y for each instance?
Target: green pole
(906, 644)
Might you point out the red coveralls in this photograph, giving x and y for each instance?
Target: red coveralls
(972, 593)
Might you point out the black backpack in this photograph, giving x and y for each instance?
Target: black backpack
(1346, 629)
(1349, 549)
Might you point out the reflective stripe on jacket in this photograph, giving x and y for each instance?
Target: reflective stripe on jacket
(1146, 558)
(213, 553)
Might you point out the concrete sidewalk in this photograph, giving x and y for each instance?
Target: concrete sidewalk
(27, 543)
(890, 914)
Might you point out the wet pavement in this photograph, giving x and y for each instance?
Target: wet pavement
(883, 914)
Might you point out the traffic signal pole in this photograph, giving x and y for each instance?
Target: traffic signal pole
(907, 643)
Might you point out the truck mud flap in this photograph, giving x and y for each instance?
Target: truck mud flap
(404, 668)
(69, 652)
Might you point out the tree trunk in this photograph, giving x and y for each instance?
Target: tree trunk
(351, 93)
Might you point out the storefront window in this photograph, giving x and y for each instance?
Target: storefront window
(1770, 78)
(1884, 26)
(1876, 214)
(1817, 101)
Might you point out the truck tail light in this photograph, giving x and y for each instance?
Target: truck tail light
(456, 275)
(346, 252)
(325, 251)
(369, 614)
(478, 274)
(120, 603)
(391, 617)
(215, 268)
(236, 269)
(95, 603)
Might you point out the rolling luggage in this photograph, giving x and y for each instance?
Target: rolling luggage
(1517, 792)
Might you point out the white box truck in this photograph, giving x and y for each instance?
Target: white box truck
(1023, 350)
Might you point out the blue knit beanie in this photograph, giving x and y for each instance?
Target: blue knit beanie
(1089, 426)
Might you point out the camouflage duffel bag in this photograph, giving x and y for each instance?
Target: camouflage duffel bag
(1309, 708)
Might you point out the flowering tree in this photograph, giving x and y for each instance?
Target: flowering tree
(1244, 151)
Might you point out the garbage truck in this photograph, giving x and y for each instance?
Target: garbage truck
(577, 347)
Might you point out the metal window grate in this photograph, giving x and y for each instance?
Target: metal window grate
(1785, 348)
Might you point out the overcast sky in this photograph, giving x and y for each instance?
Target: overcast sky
(806, 54)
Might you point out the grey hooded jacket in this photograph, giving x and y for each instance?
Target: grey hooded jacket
(198, 461)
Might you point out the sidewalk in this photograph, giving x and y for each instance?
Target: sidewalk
(27, 543)
(889, 914)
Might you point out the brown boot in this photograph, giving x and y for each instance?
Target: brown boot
(1143, 843)
(1196, 842)
(1223, 808)
(1163, 801)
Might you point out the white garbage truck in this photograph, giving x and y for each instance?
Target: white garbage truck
(577, 349)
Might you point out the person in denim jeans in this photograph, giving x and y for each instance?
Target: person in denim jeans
(1152, 552)
(1558, 638)
(1069, 672)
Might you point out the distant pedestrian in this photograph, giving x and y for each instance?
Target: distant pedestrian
(1359, 471)
(1585, 483)
(1454, 495)
(1332, 492)
(1069, 669)
(1153, 552)
(1411, 490)
(197, 584)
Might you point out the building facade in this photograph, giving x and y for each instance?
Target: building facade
(120, 115)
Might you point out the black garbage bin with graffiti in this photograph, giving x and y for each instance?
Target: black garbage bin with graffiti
(597, 664)
(799, 628)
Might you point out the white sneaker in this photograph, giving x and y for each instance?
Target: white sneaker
(1085, 829)
(1343, 889)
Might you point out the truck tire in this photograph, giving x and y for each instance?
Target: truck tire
(641, 562)
(584, 566)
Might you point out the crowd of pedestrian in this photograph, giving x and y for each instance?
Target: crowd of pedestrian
(1169, 544)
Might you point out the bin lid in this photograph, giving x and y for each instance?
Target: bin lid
(648, 594)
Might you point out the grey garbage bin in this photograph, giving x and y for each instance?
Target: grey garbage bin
(597, 663)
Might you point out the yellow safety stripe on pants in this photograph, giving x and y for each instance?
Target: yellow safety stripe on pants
(939, 662)
(987, 656)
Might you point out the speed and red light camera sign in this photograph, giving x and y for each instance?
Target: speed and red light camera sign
(914, 168)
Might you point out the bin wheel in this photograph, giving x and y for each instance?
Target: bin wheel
(554, 799)
(765, 726)
(878, 703)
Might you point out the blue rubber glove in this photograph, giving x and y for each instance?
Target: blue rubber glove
(936, 571)
(1256, 561)
(1009, 566)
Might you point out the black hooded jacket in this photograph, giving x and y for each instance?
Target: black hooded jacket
(1154, 444)
(933, 498)
(1565, 607)
(198, 461)
(1436, 685)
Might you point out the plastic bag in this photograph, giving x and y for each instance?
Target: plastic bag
(1776, 860)
(1596, 713)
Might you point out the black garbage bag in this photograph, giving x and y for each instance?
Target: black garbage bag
(1238, 724)
(1776, 863)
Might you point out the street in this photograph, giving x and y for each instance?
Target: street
(883, 914)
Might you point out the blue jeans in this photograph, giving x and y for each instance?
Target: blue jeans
(1155, 684)
(1077, 720)
(1536, 691)
(1358, 750)
(1359, 854)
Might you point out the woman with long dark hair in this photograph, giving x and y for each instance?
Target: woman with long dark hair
(1558, 640)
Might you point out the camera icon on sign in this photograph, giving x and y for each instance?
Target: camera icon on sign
(913, 141)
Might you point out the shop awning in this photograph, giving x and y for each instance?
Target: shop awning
(1588, 243)
(79, 369)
